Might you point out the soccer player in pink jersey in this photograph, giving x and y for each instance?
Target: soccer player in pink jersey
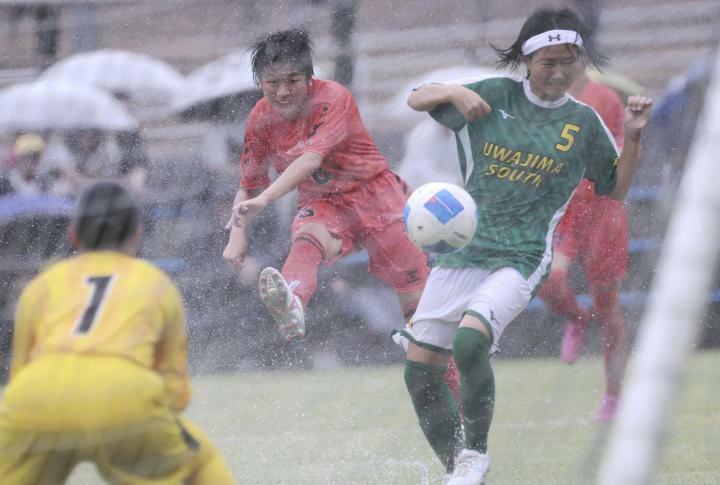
(310, 132)
(593, 230)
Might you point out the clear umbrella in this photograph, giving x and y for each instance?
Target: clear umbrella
(61, 105)
(397, 108)
(136, 76)
(220, 88)
(430, 155)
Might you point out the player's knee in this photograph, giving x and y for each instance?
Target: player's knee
(207, 465)
(605, 298)
(212, 470)
(470, 346)
(420, 378)
(319, 237)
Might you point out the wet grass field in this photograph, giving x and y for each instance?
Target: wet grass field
(356, 425)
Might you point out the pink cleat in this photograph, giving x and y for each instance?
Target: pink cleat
(572, 342)
(608, 408)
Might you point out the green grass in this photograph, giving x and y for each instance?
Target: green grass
(357, 425)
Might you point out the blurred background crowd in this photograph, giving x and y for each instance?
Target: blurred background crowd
(155, 94)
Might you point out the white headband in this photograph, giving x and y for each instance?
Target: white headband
(551, 37)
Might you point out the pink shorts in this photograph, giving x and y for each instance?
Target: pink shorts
(595, 230)
(371, 217)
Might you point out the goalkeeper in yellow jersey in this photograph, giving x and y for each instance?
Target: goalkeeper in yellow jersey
(99, 366)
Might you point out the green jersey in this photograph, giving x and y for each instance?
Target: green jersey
(521, 163)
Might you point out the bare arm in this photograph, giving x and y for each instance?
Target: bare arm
(236, 249)
(247, 204)
(429, 96)
(300, 169)
(637, 114)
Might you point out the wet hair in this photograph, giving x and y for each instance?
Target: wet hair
(543, 20)
(106, 216)
(290, 46)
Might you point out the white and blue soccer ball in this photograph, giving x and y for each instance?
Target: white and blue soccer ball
(440, 217)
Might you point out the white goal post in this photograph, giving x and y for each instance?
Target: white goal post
(677, 300)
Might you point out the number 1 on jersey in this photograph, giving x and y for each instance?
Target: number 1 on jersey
(100, 286)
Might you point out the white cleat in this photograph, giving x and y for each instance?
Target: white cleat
(470, 468)
(284, 306)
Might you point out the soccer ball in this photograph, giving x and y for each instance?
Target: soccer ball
(440, 217)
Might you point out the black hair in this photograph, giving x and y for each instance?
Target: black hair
(290, 46)
(545, 19)
(106, 216)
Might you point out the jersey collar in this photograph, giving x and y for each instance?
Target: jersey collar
(541, 102)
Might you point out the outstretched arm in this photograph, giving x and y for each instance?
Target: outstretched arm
(637, 114)
(237, 246)
(469, 103)
(300, 169)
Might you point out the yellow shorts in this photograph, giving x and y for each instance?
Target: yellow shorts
(157, 449)
(63, 410)
(59, 392)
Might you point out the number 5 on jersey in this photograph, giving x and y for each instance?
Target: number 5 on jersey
(100, 289)
(567, 135)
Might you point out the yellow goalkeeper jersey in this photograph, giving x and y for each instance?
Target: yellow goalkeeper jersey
(102, 304)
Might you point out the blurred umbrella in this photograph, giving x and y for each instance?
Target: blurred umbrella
(430, 155)
(622, 85)
(61, 105)
(137, 76)
(219, 90)
(397, 109)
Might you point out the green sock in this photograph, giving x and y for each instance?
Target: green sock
(436, 409)
(471, 349)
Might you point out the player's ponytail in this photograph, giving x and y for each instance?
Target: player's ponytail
(106, 216)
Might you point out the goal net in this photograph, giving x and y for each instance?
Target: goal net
(670, 324)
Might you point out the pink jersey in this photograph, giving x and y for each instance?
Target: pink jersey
(330, 125)
(609, 106)
(603, 248)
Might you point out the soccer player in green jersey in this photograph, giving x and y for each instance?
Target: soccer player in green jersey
(523, 144)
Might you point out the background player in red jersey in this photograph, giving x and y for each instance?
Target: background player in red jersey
(310, 132)
(594, 231)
